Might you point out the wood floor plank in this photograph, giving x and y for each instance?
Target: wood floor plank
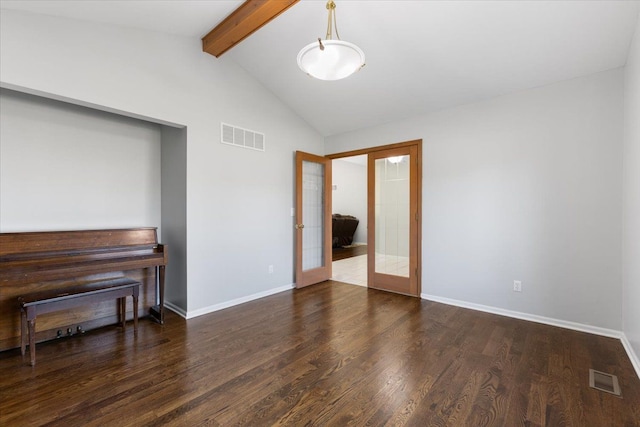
(327, 355)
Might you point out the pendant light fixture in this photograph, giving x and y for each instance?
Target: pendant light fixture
(331, 59)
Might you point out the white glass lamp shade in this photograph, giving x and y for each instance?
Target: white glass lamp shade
(338, 59)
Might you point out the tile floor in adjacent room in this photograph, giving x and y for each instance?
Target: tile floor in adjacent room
(354, 270)
(351, 270)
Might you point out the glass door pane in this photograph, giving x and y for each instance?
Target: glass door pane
(313, 191)
(392, 216)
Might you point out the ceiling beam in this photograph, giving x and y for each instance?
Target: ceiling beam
(241, 23)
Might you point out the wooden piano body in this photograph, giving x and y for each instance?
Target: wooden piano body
(42, 261)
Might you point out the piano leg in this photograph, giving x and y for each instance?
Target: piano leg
(123, 311)
(161, 292)
(157, 311)
(135, 309)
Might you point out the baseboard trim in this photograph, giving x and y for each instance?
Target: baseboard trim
(611, 333)
(221, 306)
(635, 360)
(178, 310)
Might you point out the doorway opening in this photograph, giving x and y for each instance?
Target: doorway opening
(349, 220)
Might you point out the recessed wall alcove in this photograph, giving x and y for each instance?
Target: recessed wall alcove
(67, 164)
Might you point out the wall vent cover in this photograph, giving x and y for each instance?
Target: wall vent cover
(604, 382)
(240, 137)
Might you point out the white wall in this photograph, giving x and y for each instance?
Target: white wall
(174, 213)
(631, 200)
(350, 196)
(65, 167)
(525, 187)
(238, 201)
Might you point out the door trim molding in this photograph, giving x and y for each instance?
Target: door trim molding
(417, 142)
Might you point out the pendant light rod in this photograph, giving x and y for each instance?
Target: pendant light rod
(332, 23)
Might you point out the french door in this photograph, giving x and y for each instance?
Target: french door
(394, 175)
(393, 192)
(313, 219)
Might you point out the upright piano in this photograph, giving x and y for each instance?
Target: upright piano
(42, 261)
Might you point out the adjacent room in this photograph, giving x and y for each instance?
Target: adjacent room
(284, 212)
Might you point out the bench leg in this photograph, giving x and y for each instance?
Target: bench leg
(23, 332)
(32, 340)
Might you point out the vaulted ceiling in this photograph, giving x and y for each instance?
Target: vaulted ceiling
(422, 56)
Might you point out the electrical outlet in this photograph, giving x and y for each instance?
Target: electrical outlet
(517, 286)
(271, 269)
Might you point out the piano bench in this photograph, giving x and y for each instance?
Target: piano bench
(59, 299)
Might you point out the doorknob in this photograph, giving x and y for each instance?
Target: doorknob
(299, 226)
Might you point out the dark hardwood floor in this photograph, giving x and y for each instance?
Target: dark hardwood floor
(343, 253)
(327, 355)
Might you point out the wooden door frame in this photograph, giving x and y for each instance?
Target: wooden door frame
(413, 143)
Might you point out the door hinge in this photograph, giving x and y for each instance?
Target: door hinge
(416, 271)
